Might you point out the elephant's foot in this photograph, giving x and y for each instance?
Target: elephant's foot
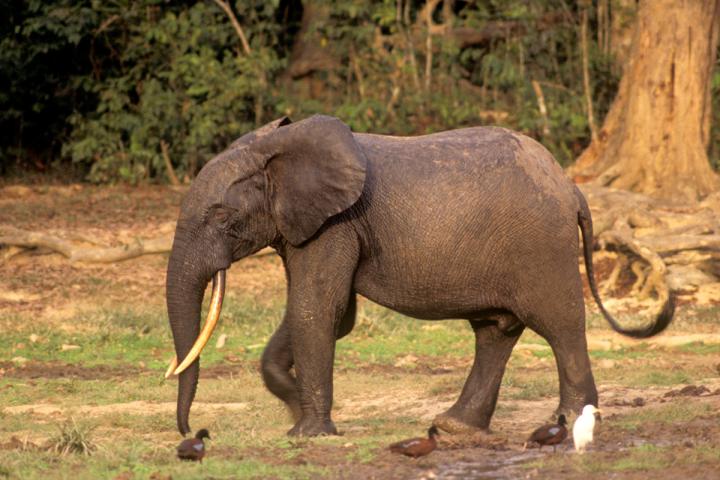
(573, 400)
(571, 410)
(454, 423)
(312, 427)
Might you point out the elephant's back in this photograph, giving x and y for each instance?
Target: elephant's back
(478, 162)
(467, 152)
(460, 208)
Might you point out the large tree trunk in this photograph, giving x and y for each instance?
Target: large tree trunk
(655, 136)
(311, 54)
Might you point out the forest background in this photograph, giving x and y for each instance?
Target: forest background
(149, 90)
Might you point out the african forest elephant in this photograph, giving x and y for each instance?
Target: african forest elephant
(477, 223)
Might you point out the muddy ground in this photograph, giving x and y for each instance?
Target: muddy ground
(660, 399)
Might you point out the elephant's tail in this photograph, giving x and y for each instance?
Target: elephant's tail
(665, 316)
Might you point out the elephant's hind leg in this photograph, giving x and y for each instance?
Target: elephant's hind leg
(495, 337)
(277, 361)
(565, 332)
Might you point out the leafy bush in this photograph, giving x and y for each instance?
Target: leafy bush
(184, 84)
(114, 82)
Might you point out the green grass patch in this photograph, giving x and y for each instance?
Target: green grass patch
(249, 436)
(108, 464)
(680, 412)
(700, 348)
(548, 353)
(640, 351)
(365, 451)
(130, 336)
(530, 387)
(661, 378)
(381, 336)
(643, 458)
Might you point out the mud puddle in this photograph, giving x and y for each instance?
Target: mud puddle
(505, 465)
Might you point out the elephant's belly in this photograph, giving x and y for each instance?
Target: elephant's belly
(427, 298)
(429, 308)
(468, 277)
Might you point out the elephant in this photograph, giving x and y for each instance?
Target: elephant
(478, 224)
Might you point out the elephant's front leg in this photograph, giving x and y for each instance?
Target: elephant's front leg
(313, 348)
(494, 341)
(319, 293)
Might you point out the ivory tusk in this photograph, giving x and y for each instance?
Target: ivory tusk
(218, 292)
(171, 368)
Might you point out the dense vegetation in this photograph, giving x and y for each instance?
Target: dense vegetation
(108, 86)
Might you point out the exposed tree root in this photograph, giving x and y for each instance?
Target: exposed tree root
(661, 243)
(621, 238)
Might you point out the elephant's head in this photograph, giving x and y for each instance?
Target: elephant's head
(277, 184)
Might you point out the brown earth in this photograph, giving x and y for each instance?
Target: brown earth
(53, 291)
(45, 284)
(497, 455)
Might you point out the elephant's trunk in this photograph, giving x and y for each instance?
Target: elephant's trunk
(186, 282)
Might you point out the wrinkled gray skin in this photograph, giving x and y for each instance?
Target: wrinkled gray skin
(478, 223)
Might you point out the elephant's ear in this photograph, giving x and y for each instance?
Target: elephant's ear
(316, 170)
(250, 137)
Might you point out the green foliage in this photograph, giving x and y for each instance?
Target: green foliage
(383, 58)
(113, 81)
(182, 83)
(41, 46)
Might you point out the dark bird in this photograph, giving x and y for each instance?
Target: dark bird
(552, 434)
(417, 447)
(193, 448)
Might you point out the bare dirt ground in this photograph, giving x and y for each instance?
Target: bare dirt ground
(653, 421)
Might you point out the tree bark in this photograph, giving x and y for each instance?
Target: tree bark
(586, 72)
(656, 133)
(622, 16)
(168, 164)
(310, 52)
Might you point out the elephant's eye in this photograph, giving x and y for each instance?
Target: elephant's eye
(220, 217)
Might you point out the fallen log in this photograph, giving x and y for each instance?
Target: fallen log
(15, 237)
(20, 238)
